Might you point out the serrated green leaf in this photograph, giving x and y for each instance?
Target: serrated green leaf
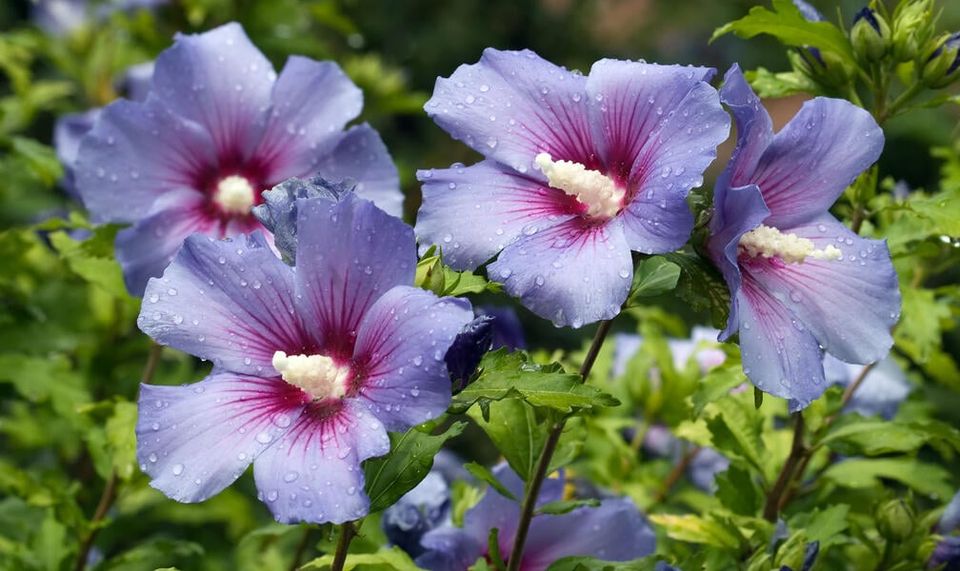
(695, 529)
(929, 479)
(653, 276)
(736, 429)
(392, 559)
(873, 437)
(581, 563)
(484, 474)
(738, 492)
(411, 454)
(775, 85)
(702, 287)
(510, 375)
(788, 25)
(92, 259)
(561, 507)
(122, 439)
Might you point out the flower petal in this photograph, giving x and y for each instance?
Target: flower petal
(220, 80)
(229, 301)
(754, 131)
(145, 249)
(814, 158)
(573, 273)
(134, 154)
(312, 102)
(195, 440)
(313, 473)
(449, 548)
(613, 531)
(780, 356)
(68, 131)
(349, 254)
(736, 212)
(659, 128)
(850, 304)
(474, 212)
(401, 343)
(361, 158)
(512, 105)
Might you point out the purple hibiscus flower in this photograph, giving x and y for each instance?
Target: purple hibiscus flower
(613, 531)
(218, 127)
(579, 172)
(881, 392)
(800, 281)
(71, 128)
(312, 364)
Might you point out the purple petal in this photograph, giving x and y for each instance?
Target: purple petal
(450, 549)
(850, 304)
(736, 212)
(145, 249)
(507, 329)
(780, 356)
(312, 102)
(613, 531)
(68, 131)
(573, 274)
(349, 254)
(360, 158)
(658, 127)
(220, 80)
(135, 153)
(229, 301)
(512, 105)
(313, 473)
(401, 343)
(754, 131)
(195, 440)
(704, 468)
(279, 210)
(138, 80)
(950, 520)
(814, 158)
(425, 507)
(474, 212)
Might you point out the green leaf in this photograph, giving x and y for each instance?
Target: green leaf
(92, 259)
(775, 85)
(392, 559)
(826, 526)
(511, 375)
(156, 553)
(411, 455)
(873, 437)
(695, 529)
(122, 439)
(702, 287)
(484, 474)
(736, 428)
(921, 319)
(581, 563)
(928, 479)
(39, 158)
(519, 434)
(653, 276)
(561, 507)
(717, 384)
(738, 492)
(788, 25)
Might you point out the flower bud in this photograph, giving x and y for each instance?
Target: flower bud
(943, 64)
(912, 28)
(870, 35)
(895, 520)
(823, 67)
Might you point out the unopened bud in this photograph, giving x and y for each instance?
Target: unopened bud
(912, 28)
(870, 35)
(943, 64)
(895, 520)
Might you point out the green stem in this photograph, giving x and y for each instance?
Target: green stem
(347, 532)
(543, 463)
(882, 114)
(797, 452)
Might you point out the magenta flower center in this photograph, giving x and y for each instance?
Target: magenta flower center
(317, 375)
(602, 197)
(235, 195)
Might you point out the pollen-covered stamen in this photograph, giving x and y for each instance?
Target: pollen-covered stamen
(769, 242)
(318, 375)
(602, 197)
(234, 195)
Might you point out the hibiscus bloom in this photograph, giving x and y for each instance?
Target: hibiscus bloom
(579, 172)
(217, 128)
(613, 531)
(312, 364)
(800, 281)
